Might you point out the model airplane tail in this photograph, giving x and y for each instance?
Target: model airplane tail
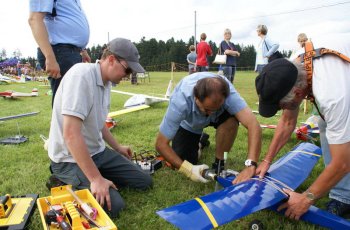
(237, 201)
(169, 89)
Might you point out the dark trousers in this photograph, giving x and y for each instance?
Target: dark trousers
(202, 68)
(112, 166)
(185, 145)
(229, 72)
(66, 56)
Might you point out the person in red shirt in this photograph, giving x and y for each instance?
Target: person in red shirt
(203, 51)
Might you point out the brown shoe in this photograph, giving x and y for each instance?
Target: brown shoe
(54, 182)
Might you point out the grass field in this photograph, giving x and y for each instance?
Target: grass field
(24, 167)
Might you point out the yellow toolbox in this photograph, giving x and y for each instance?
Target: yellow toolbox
(69, 206)
(15, 212)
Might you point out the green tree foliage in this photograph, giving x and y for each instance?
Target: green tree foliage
(157, 55)
(247, 57)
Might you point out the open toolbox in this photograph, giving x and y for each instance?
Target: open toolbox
(71, 207)
(15, 211)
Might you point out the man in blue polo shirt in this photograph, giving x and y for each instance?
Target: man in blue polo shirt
(61, 30)
(200, 100)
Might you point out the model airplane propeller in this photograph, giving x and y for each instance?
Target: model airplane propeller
(236, 201)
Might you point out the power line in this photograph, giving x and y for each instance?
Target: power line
(282, 13)
(262, 16)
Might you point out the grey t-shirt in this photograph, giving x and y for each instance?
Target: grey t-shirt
(81, 94)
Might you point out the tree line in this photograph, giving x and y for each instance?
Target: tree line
(157, 55)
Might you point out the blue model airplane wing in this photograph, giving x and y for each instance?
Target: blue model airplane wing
(320, 217)
(234, 202)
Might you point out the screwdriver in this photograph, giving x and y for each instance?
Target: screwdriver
(63, 224)
(87, 209)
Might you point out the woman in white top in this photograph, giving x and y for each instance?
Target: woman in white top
(265, 49)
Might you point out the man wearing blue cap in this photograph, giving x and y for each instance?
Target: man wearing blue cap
(283, 85)
(78, 133)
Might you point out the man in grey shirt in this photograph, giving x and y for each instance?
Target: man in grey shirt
(78, 132)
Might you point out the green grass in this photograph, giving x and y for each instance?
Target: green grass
(24, 167)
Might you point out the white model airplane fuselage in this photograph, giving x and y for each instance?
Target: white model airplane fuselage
(13, 94)
(140, 99)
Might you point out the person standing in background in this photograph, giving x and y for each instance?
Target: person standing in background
(62, 32)
(191, 59)
(265, 49)
(203, 51)
(301, 39)
(19, 69)
(229, 49)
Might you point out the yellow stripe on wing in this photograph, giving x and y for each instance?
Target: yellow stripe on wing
(207, 211)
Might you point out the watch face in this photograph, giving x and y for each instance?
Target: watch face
(310, 196)
(248, 162)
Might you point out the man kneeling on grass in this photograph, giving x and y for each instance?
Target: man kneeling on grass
(200, 100)
(78, 133)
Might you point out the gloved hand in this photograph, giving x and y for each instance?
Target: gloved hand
(194, 172)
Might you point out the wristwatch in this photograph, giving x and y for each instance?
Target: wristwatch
(310, 195)
(250, 162)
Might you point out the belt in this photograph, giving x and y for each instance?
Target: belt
(69, 46)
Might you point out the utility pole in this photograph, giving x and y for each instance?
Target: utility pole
(195, 29)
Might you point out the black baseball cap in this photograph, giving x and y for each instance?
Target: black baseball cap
(273, 83)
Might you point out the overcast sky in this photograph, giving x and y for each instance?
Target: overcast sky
(163, 19)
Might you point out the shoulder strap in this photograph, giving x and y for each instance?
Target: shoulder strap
(311, 53)
(266, 46)
(307, 58)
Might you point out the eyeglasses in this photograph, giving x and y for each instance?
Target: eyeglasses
(127, 70)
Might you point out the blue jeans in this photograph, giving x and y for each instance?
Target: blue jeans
(202, 68)
(114, 167)
(66, 57)
(229, 72)
(340, 191)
